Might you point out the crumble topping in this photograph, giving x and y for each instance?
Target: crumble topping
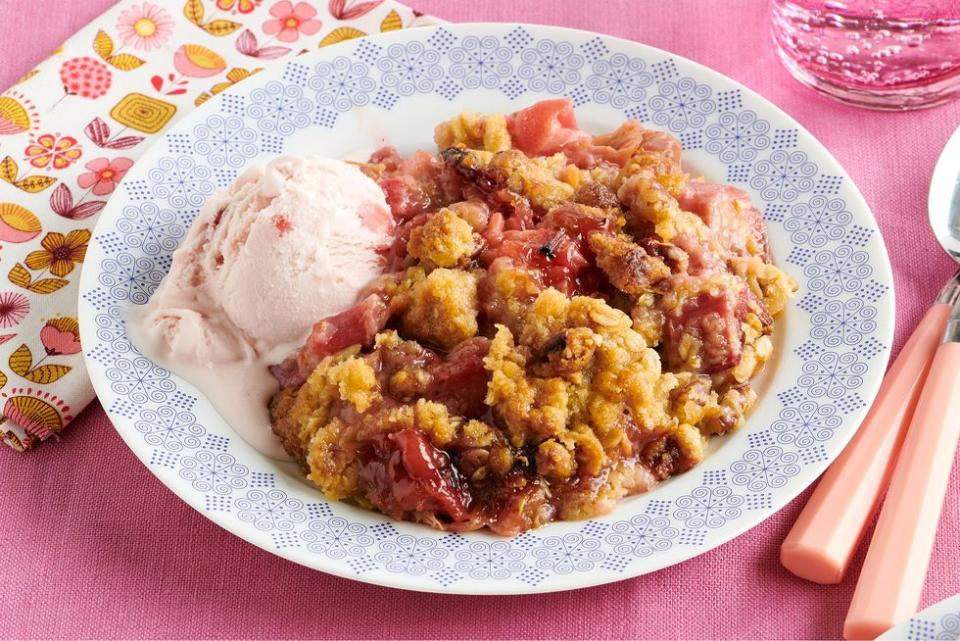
(565, 320)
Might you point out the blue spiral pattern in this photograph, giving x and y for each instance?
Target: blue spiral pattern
(833, 250)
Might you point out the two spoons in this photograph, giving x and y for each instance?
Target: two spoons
(916, 413)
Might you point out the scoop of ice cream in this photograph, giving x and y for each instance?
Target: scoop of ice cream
(285, 245)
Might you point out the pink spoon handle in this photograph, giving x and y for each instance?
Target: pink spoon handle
(893, 572)
(828, 531)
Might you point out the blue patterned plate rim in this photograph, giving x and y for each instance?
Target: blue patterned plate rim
(939, 622)
(833, 341)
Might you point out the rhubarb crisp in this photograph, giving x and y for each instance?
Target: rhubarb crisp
(563, 320)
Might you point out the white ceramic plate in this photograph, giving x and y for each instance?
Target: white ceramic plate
(939, 622)
(833, 341)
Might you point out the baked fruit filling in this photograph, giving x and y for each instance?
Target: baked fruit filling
(564, 319)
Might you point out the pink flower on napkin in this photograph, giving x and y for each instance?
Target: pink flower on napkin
(59, 150)
(104, 174)
(291, 21)
(85, 77)
(146, 26)
(60, 336)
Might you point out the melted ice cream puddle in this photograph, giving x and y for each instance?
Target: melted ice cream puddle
(238, 390)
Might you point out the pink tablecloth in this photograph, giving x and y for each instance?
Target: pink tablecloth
(94, 546)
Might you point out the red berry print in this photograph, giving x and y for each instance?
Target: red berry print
(85, 77)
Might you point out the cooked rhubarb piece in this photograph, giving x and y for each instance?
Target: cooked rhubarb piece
(564, 321)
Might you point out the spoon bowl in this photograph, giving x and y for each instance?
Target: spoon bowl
(944, 197)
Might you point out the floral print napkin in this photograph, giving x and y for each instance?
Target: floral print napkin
(70, 130)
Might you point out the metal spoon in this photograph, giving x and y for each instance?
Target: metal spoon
(944, 198)
(891, 580)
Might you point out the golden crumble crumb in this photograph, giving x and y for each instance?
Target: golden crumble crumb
(336, 474)
(356, 382)
(768, 282)
(554, 460)
(296, 418)
(387, 339)
(487, 132)
(647, 318)
(728, 413)
(407, 383)
(435, 419)
(531, 408)
(692, 397)
(443, 308)
(649, 202)
(588, 451)
(508, 293)
(630, 268)
(567, 353)
(446, 240)
(478, 434)
(536, 179)
(501, 459)
(570, 175)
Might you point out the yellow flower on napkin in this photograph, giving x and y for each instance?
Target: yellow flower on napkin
(60, 253)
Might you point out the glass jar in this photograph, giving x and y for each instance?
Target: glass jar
(881, 54)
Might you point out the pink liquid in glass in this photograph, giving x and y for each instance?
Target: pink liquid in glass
(885, 54)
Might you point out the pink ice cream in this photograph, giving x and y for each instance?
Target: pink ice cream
(285, 245)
